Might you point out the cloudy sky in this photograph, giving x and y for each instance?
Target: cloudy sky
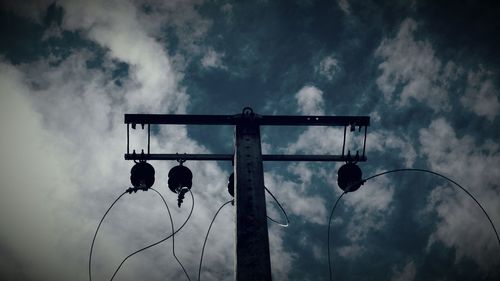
(427, 73)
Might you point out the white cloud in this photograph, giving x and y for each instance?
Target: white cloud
(116, 26)
(411, 71)
(66, 138)
(212, 59)
(318, 140)
(328, 67)
(310, 101)
(481, 95)
(32, 170)
(296, 199)
(350, 251)
(382, 140)
(126, 32)
(462, 225)
(64, 164)
(302, 171)
(368, 206)
(281, 260)
(328, 140)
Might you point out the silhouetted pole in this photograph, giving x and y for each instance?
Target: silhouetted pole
(252, 261)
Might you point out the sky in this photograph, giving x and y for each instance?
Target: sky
(426, 72)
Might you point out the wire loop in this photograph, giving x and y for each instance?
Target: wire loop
(282, 210)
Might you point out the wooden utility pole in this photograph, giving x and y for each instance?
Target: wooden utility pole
(253, 261)
(252, 258)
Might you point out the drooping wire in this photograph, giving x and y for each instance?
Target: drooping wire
(408, 170)
(282, 210)
(206, 236)
(328, 239)
(173, 233)
(215, 216)
(97, 230)
(158, 242)
(450, 180)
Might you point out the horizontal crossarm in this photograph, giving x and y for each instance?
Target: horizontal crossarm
(229, 157)
(271, 120)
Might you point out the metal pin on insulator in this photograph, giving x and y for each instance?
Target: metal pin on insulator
(180, 181)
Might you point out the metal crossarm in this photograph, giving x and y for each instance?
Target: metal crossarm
(229, 157)
(262, 120)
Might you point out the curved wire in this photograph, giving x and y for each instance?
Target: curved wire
(97, 230)
(329, 224)
(282, 210)
(206, 237)
(408, 170)
(173, 233)
(158, 242)
(448, 179)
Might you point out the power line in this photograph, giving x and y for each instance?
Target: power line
(215, 216)
(328, 239)
(97, 230)
(206, 236)
(406, 170)
(144, 248)
(173, 233)
(158, 242)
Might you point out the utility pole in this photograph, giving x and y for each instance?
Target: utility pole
(253, 261)
(252, 258)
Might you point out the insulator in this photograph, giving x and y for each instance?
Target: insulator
(349, 177)
(230, 185)
(179, 178)
(142, 175)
